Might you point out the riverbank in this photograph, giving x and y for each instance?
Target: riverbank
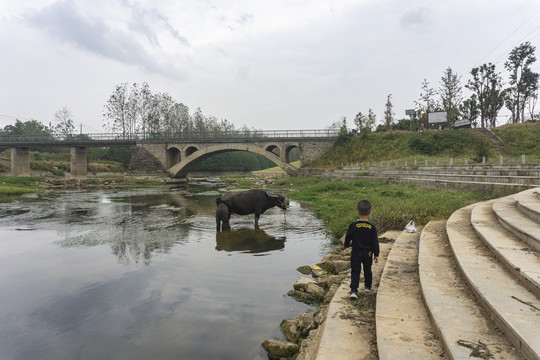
(338, 320)
(333, 201)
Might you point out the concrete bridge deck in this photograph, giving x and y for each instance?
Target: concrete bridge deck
(177, 154)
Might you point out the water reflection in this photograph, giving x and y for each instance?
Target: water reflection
(74, 287)
(248, 241)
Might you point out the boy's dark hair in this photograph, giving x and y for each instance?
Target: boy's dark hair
(363, 207)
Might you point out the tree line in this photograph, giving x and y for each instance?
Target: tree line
(134, 109)
(487, 96)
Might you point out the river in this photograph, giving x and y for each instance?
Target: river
(141, 273)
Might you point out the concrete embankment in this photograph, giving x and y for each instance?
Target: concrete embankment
(465, 287)
(488, 179)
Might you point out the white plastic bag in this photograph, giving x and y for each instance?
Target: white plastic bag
(410, 227)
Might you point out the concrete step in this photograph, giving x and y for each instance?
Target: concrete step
(428, 170)
(349, 330)
(521, 260)
(483, 187)
(404, 330)
(459, 319)
(455, 171)
(528, 202)
(514, 221)
(514, 308)
(523, 180)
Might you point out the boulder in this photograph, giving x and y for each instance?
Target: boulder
(320, 314)
(330, 294)
(296, 329)
(327, 266)
(334, 257)
(289, 328)
(302, 296)
(302, 283)
(280, 349)
(342, 266)
(317, 272)
(314, 289)
(309, 346)
(306, 269)
(329, 280)
(305, 323)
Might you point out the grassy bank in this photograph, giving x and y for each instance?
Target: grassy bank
(433, 145)
(334, 201)
(18, 185)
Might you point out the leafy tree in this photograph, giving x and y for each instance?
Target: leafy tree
(389, 113)
(371, 120)
(470, 109)
(344, 135)
(361, 124)
(63, 123)
(523, 81)
(451, 94)
(30, 127)
(486, 84)
(402, 124)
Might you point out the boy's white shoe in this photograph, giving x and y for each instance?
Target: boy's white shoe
(368, 290)
(353, 295)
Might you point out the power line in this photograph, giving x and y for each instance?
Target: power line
(497, 59)
(496, 34)
(509, 35)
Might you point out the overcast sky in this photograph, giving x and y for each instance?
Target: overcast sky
(280, 64)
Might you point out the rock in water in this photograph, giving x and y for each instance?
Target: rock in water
(279, 349)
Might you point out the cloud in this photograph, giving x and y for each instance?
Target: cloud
(63, 21)
(415, 18)
(143, 21)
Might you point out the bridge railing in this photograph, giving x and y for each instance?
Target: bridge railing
(194, 135)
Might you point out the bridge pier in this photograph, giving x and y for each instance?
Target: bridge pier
(78, 162)
(20, 161)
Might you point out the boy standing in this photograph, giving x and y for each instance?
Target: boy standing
(362, 236)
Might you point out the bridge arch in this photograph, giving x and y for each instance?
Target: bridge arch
(287, 153)
(272, 149)
(189, 163)
(190, 150)
(173, 156)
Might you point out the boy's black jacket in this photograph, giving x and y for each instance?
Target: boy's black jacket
(362, 236)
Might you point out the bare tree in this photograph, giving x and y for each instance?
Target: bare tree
(115, 110)
(63, 123)
(426, 101)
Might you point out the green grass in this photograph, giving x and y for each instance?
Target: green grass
(18, 185)
(393, 206)
(520, 139)
(432, 145)
(278, 169)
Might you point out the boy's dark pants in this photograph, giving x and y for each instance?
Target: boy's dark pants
(359, 260)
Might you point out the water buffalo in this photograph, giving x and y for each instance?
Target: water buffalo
(251, 201)
(222, 216)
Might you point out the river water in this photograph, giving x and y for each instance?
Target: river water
(142, 274)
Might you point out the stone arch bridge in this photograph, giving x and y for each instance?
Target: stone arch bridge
(178, 155)
(181, 157)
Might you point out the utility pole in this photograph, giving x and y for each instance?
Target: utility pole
(411, 114)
